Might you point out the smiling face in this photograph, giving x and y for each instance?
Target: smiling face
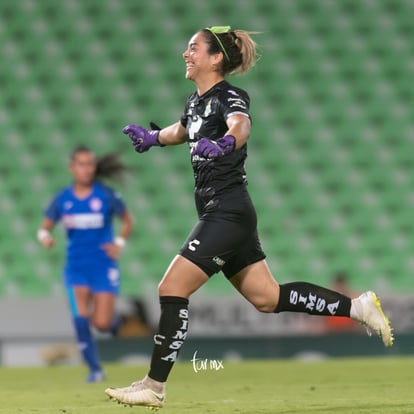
(199, 63)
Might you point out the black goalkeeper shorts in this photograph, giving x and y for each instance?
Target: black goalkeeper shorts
(225, 237)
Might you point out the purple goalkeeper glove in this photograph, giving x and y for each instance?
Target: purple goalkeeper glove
(208, 148)
(142, 139)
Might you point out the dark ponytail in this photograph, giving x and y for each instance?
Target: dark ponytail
(110, 166)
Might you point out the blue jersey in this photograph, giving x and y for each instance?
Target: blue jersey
(88, 223)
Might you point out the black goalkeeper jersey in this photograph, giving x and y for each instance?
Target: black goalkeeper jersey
(205, 117)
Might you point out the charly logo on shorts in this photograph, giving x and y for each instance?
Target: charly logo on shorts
(113, 276)
(193, 245)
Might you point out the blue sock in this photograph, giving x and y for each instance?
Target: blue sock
(86, 343)
(115, 325)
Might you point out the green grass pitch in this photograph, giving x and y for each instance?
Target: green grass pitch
(377, 385)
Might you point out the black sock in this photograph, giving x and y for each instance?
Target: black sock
(172, 331)
(308, 298)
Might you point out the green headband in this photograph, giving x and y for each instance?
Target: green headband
(215, 30)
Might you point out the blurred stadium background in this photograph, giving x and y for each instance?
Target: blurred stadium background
(330, 159)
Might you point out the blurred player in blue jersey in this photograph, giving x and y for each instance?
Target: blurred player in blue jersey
(91, 274)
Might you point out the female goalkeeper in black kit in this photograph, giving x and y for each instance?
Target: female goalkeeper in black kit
(216, 125)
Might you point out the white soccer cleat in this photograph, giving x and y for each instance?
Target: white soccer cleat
(367, 310)
(138, 393)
